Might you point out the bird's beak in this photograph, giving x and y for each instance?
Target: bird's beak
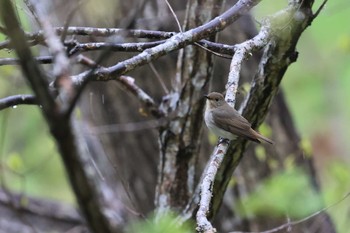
(206, 96)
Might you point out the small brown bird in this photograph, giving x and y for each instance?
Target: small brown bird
(226, 122)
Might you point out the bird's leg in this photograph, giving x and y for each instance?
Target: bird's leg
(223, 140)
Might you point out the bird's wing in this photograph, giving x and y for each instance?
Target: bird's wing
(229, 119)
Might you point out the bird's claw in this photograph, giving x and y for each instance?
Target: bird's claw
(223, 141)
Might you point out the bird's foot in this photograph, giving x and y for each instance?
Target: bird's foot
(223, 141)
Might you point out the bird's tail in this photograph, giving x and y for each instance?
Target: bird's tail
(262, 138)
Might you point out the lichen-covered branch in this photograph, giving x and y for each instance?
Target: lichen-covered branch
(286, 27)
(206, 189)
(243, 50)
(179, 141)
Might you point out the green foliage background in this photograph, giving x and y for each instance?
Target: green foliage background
(317, 88)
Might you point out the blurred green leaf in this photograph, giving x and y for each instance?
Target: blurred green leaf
(284, 193)
(213, 139)
(265, 130)
(289, 162)
(15, 162)
(260, 153)
(344, 43)
(306, 147)
(165, 224)
(338, 181)
(336, 186)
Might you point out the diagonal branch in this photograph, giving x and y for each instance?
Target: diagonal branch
(178, 41)
(280, 34)
(174, 43)
(11, 101)
(278, 54)
(38, 37)
(128, 83)
(47, 215)
(101, 209)
(243, 50)
(118, 47)
(29, 66)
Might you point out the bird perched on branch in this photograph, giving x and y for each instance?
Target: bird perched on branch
(226, 122)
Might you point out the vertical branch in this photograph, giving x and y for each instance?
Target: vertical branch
(60, 60)
(97, 202)
(206, 188)
(179, 142)
(278, 54)
(28, 64)
(242, 51)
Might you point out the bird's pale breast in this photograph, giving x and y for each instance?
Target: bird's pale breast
(209, 121)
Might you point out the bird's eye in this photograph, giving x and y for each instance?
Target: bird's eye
(216, 99)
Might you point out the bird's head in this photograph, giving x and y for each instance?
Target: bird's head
(215, 99)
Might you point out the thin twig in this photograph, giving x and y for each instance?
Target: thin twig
(61, 64)
(319, 9)
(174, 15)
(38, 37)
(12, 101)
(16, 61)
(68, 20)
(31, 8)
(160, 80)
(30, 68)
(127, 83)
(180, 40)
(85, 61)
(196, 43)
(78, 89)
(293, 223)
(213, 52)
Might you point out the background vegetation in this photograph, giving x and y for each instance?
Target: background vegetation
(317, 88)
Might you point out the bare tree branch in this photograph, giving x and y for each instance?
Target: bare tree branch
(110, 46)
(180, 40)
(68, 20)
(56, 49)
(179, 138)
(101, 209)
(278, 55)
(16, 61)
(243, 50)
(17, 209)
(127, 82)
(206, 188)
(29, 66)
(320, 9)
(15, 100)
(77, 48)
(38, 38)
